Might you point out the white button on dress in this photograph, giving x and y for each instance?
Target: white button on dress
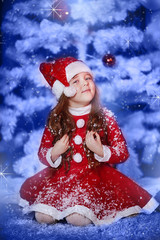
(77, 157)
(80, 123)
(78, 140)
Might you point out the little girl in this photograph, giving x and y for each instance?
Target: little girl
(80, 145)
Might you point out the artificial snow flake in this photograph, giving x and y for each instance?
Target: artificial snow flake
(3, 174)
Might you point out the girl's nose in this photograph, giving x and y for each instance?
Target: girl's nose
(85, 82)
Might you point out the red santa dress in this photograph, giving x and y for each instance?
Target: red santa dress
(102, 194)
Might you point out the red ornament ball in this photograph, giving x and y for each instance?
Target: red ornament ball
(109, 60)
(60, 10)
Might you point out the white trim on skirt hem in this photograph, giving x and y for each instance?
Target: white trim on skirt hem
(59, 215)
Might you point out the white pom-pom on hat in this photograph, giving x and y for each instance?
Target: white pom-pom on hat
(58, 89)
(69, 91)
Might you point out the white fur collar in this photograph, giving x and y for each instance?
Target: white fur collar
(80, 111)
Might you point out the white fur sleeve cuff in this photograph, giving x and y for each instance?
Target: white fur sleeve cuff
(107, 155)
(53, 164)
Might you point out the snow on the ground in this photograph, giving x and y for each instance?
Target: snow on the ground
(16, 226)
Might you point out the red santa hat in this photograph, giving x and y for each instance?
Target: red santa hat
(59, 73)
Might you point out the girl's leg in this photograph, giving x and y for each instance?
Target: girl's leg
(44, 218)
(78, 220)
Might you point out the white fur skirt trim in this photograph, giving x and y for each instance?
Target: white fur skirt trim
(113, 217)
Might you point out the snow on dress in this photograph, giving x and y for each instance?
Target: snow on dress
(102, 194)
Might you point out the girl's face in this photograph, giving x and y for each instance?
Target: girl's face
(85, 90)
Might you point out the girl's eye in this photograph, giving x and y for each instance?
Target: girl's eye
(75, 81)
(88, 78)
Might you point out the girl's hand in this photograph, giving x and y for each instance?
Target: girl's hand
(60, 147)
(93, 142)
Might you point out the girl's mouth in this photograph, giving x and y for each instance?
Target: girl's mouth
(87, 90)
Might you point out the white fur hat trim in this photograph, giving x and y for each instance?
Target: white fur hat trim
(76, 67)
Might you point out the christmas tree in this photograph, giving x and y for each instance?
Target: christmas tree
(119, 40)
